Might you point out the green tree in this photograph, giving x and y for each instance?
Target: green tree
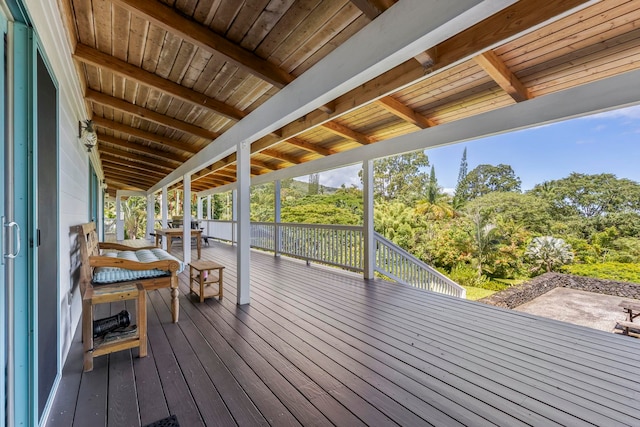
(432, 193)
(548, 253)
(462, 174)
(401, 178)
(590, 196)
(527, 210)
(485, 179)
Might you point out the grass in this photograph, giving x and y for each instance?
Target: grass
(477, 293)
(623, 272)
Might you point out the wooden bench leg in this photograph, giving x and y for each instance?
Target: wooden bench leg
(175, 307)
(87, 335)
(141, 313)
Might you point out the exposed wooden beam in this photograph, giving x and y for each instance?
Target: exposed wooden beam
(507, 23)
(373, 8)
(139, 133)
(264, 165)
(132, 178)
(345, 132)
(201, 36)
(501, 74)
(123, 143)
(277, 155)
(149, 115)
(116, 167)
(148, 180)
(138, 161)
(405, 113)
(311, 147)
(427, 58)
(89, 55)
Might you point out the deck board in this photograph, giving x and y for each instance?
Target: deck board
(319, 346)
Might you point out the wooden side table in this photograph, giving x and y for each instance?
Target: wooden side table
(202, 275)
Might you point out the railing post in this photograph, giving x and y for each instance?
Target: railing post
(369, 240)
(277, 211)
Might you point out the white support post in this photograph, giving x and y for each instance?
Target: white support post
(242, 202)
(119, 218)
(234, 216)
(209, 208)
(165, 207)
(151, 215)
(199, 208)
(186, 219)
(277, 210)
(369, 242)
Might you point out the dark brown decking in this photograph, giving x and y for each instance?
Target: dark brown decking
(318, 346)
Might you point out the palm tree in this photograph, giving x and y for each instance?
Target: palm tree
(549, 252)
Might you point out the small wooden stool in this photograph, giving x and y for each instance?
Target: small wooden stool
(203, 278)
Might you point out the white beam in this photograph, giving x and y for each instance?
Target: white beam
(243, 177)
(277, 215)
(165, 207)
(603, 95)
(151, 215)
(186, 218)
(402, 32)
(369, 242)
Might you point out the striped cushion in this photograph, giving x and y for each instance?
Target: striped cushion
(115, 274)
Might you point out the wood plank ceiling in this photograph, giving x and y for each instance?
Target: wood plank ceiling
(165, 78)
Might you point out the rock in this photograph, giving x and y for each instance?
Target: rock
(520, 294)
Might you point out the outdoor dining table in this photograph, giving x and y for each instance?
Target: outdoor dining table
(169, 233)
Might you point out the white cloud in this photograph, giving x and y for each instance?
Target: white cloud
(623, 113)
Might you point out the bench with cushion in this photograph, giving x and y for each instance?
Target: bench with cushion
(114, 272)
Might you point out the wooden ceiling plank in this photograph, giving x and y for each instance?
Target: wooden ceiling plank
(128, 157)
(201, 36)
(142, 176)
(345, 132)
(277, 155)
(298, 142)
(89, 55)
(149, 115)
(133, 178)
(148, 136)
(123, 143)
(407, 114)
(107, 164)
(501, 74)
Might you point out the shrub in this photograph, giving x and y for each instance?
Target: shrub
(467, 276)
(619, 271)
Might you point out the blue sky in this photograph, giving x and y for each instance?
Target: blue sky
(607, 142)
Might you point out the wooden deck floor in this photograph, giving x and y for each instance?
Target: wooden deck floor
(317, 346)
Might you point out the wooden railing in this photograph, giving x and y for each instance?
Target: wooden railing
(396, 263)
(340, 246)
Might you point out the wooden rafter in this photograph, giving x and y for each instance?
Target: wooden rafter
(345, 132)
(148, 115)
(201, 36)
(135, 160)
(89, 55)
(510, 21)
(405, 113)
(282, 156)
(140, 177)
(139, 133)
(501, 74)
(106, 165)
(123, 143)
(373, 8)
(311, 147)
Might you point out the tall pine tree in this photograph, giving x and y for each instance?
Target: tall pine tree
(462, 174)
(433, 186)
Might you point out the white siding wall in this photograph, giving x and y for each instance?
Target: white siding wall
(73, 202)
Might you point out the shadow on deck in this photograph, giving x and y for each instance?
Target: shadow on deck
(319, 346)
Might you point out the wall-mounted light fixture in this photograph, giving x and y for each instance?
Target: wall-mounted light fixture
(87, 133)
